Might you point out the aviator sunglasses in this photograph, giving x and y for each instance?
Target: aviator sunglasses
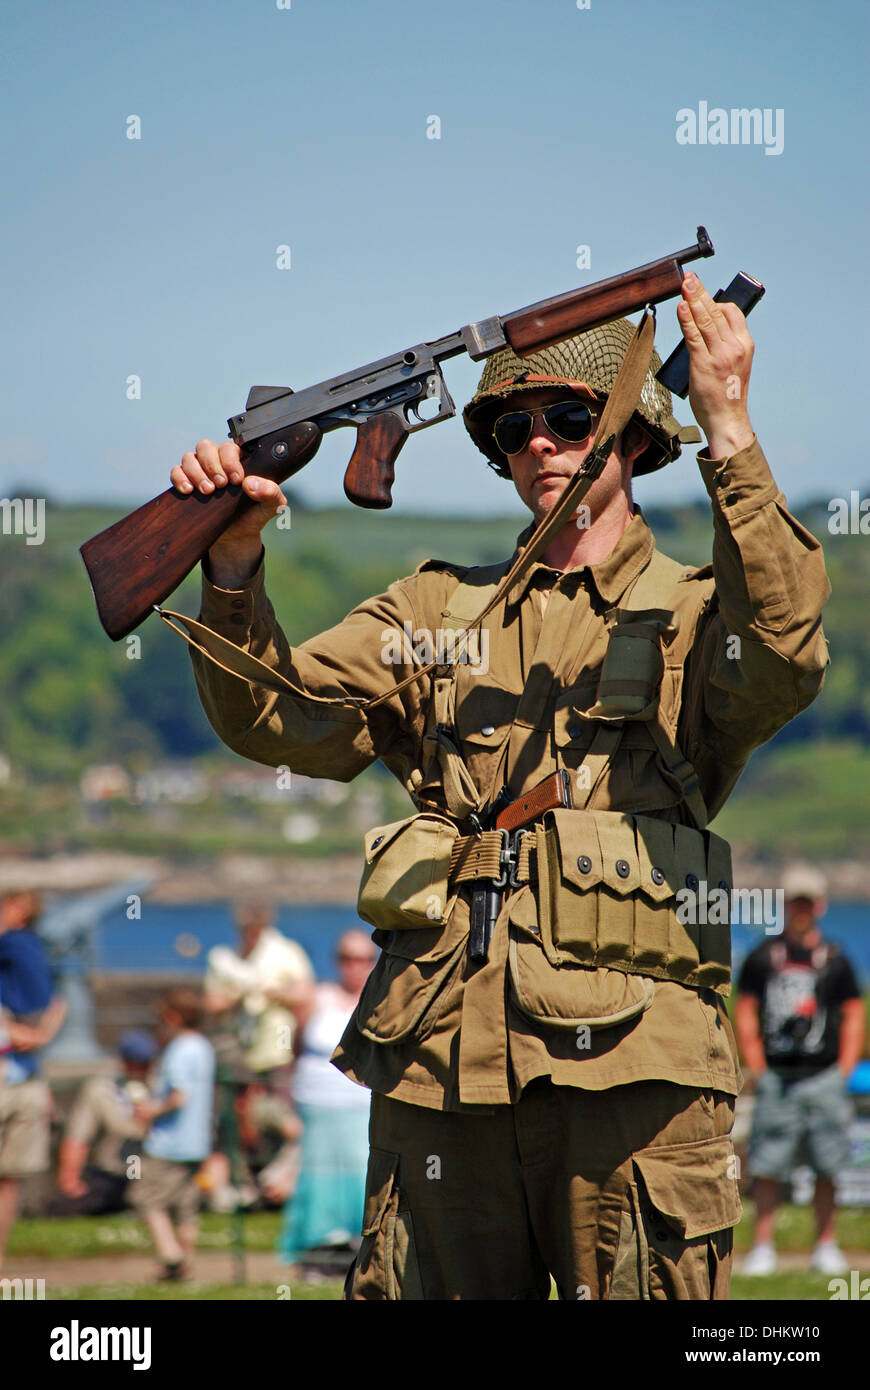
(571, 421)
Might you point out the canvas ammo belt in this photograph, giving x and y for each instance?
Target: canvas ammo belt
(634, 893)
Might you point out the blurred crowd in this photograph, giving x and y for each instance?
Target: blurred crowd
(231, 1100)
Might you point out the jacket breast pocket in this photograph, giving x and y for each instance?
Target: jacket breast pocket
(484, 715)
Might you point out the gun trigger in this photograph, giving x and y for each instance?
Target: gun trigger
(261, 395)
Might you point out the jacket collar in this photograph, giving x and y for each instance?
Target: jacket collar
(611, 576)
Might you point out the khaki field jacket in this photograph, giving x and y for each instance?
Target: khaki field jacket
(432, 1028)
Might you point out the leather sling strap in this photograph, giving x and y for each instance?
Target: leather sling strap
(618, 410)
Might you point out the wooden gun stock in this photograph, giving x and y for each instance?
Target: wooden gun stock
(139, 560)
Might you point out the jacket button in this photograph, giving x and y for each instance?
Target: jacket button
(575, 731)
(731, 498)
(657, 876)
(238, 603)
(488, 730)
(584, 864)
(376, 842)
(725, 479)
(692, 882)
(723, 885)
(622, 868)
(237, 618)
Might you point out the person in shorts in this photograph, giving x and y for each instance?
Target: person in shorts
(800, 1025)
(102, 1132)
(31, 1015)
(166, 1194)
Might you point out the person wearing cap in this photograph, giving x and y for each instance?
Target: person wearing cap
(102, 1125)
(552, 1066)
(800, 1025)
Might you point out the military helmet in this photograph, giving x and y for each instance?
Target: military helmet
(588, 364)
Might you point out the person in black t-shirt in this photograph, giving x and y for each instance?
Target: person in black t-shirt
(800, 1025)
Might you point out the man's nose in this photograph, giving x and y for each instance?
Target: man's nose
(541, 441)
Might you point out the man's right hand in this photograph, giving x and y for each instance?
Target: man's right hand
(236, 554)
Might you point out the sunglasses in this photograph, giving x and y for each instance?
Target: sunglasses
(571, 421)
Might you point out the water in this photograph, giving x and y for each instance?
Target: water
(158, 941)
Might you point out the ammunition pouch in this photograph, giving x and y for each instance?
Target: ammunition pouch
(635, 894)
(405, 879)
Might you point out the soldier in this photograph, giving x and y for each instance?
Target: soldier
(552, 1066)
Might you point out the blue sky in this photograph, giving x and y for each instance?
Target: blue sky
(307, 127)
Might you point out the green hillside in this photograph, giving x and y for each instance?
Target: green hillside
(73, 699)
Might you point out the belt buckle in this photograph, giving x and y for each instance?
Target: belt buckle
(508, 860)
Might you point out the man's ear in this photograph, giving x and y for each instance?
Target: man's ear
(633, 441)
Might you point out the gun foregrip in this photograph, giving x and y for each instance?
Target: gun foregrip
(371, 472)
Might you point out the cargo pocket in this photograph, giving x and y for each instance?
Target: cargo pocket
(688, 1204)
(411, 983)
(386, 1267)
(405, 880)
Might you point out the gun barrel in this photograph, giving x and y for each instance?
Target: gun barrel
(550, 320)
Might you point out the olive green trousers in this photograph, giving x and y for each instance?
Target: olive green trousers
(627, 1193)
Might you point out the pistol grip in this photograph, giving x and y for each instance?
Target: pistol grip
(371, 472)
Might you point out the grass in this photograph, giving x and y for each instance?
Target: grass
(80, 1237)
(199, 1293)
(83, 1237)
(795, 1286)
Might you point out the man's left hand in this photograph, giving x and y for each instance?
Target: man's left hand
(720, 361)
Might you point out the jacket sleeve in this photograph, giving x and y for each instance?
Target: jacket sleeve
(759, 655)
(363, 656)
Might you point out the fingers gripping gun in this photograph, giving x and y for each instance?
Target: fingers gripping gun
(138, 561)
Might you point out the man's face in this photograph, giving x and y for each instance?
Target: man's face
(18, 910)
(251, 926)
(356, 956)
(802, 915)
(170, 1023)
(544, 468)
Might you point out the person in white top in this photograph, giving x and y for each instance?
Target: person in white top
(327, 1207)
(254, 987)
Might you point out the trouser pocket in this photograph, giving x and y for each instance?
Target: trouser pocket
(676, 1228)
(386, 1267)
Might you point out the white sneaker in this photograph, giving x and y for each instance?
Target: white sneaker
(828, 1258)
(760, 1260)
